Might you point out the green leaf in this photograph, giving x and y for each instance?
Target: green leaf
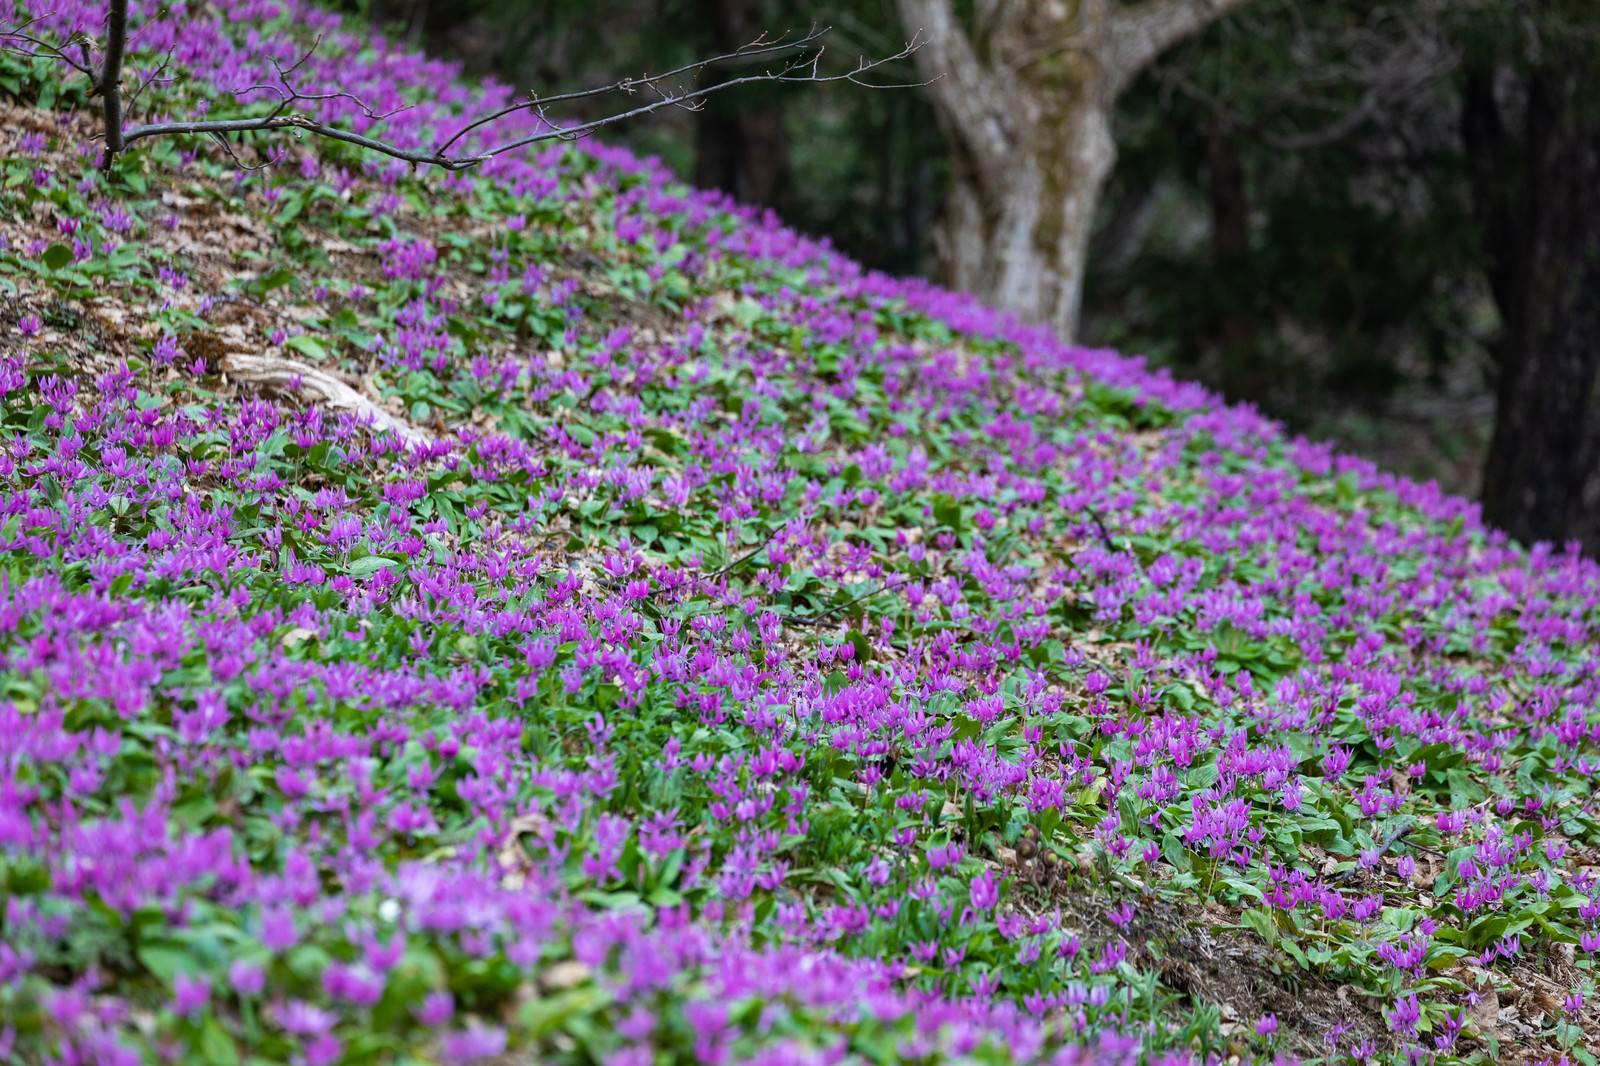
(57, 256)
(670, 867)
(307, 346)
(543, 1016)
(371, 564)
(1244, 888)
(307, 961)
(946, 511)
(166, 960)
(277, 279)
(216, 1046)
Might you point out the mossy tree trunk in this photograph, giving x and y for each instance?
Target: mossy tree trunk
(1024, 96)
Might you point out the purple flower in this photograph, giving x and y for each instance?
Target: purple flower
(984, 892)
(1405, 1014)
(190, 995)
(166, 350)
(436, 1009)
(247, 978)
(322, 1050)
(277, 928)
(304, 1019)
(473, 1043)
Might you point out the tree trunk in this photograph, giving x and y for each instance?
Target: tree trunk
(741, 143)
(1020, 239)
(744, 152)
(1025, 105)
(1232, 326)
(1537, 192)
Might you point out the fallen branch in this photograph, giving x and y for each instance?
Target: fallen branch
(747, 556)
(303, 378)
(818, 617)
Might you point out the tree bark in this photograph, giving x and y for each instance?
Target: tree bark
(1025, 104)
(110, 82)
(1021, 241)
(1536, 186)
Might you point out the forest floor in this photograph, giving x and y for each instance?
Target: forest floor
(555, 615)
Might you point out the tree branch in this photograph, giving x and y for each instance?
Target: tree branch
(51, 51)
(296, 122)
(1139, 34)
(758, 47)
(799, 71)
(802, 68)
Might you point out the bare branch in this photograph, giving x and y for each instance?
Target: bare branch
(804, 67)
(283, 73)
(758, 47)
(1141, 33)
(288, 93)
(222, 140)
(294, 122)
(808, 73)
(307, 380)
(155, 75)
(51, 51)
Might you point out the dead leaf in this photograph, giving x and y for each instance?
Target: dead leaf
(1485, 1013)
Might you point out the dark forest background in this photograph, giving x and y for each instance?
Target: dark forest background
(1376, 222)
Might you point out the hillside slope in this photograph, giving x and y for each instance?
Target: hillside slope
(550, 614)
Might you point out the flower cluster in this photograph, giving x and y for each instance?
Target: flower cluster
(694, 646)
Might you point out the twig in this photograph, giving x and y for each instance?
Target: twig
(1100, 527)
(747, 556)
(294, 122)
(1394, 838)
(758, 47)
(133, 98)
(817, 618)
(85, 68)
(786, 74)
(241, 164)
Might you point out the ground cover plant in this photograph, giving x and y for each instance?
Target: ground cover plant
(548, 614)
